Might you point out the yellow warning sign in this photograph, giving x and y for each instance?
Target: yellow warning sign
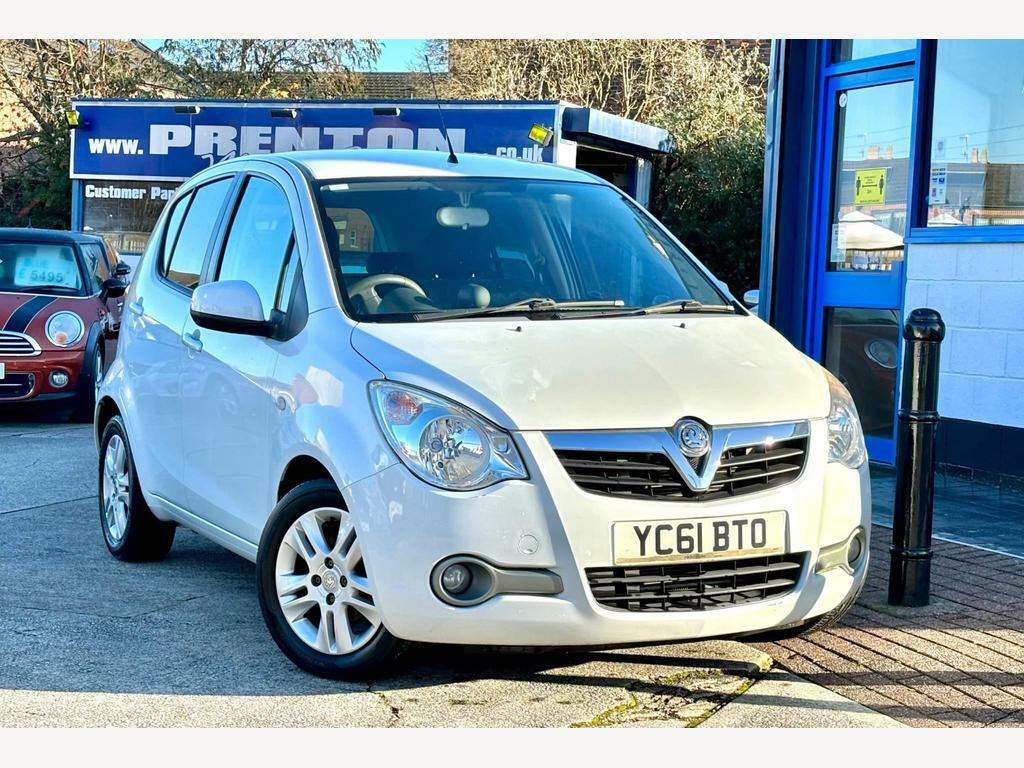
(869, 186)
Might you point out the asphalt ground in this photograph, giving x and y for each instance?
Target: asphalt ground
(87, 640)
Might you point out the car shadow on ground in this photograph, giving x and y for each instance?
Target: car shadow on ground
(35, 415)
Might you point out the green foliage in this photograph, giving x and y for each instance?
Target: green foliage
(39, 194)
(272, 67)
(708, 93)
(710, 197)
(40, 77)
(709, 192)
(38, 80)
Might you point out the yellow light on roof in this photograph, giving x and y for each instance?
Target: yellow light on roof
(541, 135)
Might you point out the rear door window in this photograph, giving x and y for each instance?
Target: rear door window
(189, 249)
(259, 245)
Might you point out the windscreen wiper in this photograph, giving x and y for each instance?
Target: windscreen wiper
(540, 304)
(686, 305)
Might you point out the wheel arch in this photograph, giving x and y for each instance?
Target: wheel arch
(106, 409)
(300, 469)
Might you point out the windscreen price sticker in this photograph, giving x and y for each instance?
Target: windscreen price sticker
(42, 270)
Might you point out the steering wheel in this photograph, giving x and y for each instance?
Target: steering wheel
(366, 289)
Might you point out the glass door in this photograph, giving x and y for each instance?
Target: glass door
(863, 220)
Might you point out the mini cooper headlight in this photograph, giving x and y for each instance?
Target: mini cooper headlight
(845, 436)
(441, 442)
(64, 329)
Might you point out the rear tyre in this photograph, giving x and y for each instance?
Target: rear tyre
(130, 529)
(314, 591)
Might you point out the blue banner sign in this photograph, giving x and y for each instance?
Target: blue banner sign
(171, 141)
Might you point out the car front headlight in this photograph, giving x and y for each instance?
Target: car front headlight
(442, 442)
(845, 436)
(64, 329)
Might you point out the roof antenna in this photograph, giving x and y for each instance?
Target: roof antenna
(444, 129)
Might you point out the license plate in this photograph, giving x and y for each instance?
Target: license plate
(668, 541)
(3, 371)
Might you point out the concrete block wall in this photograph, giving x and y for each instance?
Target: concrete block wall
(979, 290)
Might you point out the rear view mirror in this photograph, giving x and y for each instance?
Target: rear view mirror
(752, 298)
(122, 269)
(231, 306)
(463, 218)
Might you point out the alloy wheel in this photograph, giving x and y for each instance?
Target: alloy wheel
(116, 495)
(322, 585)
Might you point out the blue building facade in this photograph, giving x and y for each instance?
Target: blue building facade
(894, 179)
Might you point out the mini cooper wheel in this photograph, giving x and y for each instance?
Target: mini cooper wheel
(130, 529)
(314, 591)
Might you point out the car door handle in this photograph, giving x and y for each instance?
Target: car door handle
(192, 341)
(135, 308)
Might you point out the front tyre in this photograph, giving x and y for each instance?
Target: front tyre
(314, 591)
(89, 384)
(825, 621)
(130, 529)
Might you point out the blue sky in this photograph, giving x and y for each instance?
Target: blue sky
(396, 56)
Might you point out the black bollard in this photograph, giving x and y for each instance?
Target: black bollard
(911, 550)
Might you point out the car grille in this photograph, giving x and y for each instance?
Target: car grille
(652, 475)
(699, 586)
(15, 385)
(17, 345)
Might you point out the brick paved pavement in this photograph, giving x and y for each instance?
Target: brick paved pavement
(959, 662)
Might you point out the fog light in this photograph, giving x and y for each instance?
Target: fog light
(59, 379)
(853, 552)
(455, 579)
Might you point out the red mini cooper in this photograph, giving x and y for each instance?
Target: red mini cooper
(59, 316)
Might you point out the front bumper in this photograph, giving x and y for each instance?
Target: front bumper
(406, 527)
(28, 378)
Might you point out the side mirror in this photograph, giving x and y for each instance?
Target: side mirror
(231, 306)
(122, 269)
(752, 298)
(113, 287)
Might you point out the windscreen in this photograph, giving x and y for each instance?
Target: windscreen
(405, 247)
(49, 268)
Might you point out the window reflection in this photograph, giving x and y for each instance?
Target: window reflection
(977, 147)
(861, 350)
(124, 212)
(869, 208)
(847, 50)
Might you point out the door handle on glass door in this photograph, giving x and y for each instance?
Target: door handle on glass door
(192, 341)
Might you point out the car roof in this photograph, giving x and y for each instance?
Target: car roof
(31, 235)
(332, 164)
